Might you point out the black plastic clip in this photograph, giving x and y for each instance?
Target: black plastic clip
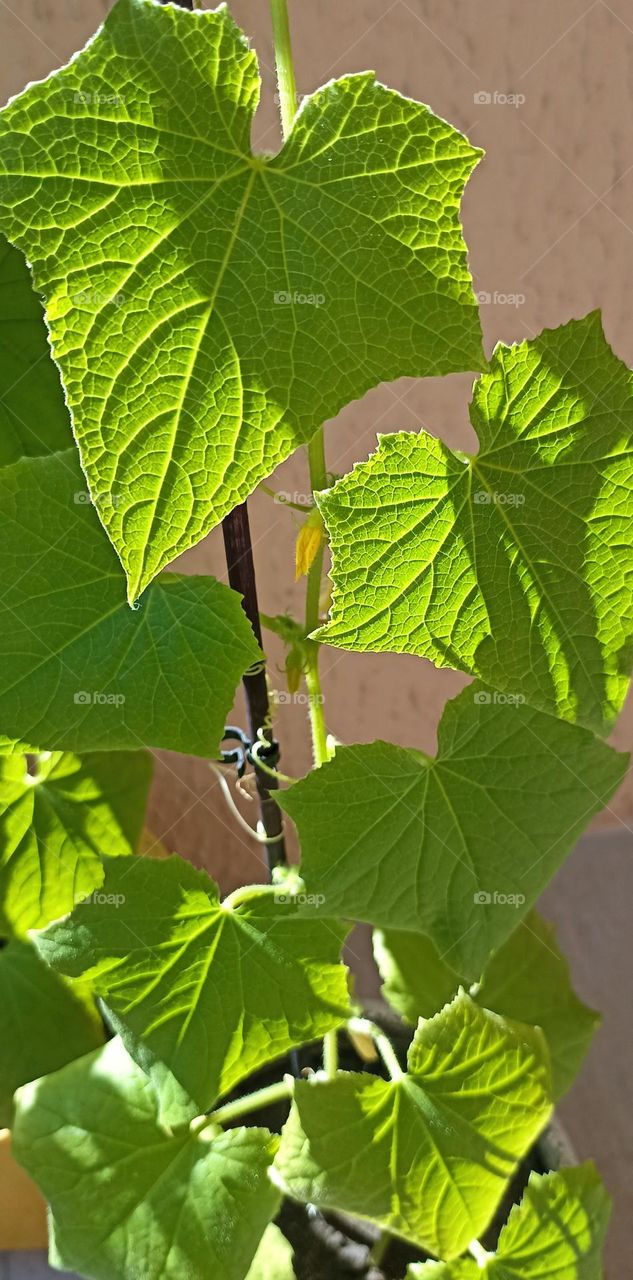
(239, 756)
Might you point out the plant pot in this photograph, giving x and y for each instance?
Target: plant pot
(22, 1209)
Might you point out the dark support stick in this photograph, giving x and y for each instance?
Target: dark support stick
(241, 570)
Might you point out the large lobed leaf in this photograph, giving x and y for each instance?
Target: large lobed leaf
(45, 1021)
(79, 669)
(527, 980)
(455, 847)
(208, 990)
(127, 1198)
(557, 1231)
(426, 1156)
(56, 822)
(209, 308)
(517, 564)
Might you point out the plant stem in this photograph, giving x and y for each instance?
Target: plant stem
(380, 1247)
(250, 1102)
(383, 1045)
(283, 501)
(241, 571)
(285, 66)
(330, 1054)
(318, 480)
(315, 705)
(316, 453)
(477, 1251)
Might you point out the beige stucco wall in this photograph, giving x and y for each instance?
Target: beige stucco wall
(547, 216)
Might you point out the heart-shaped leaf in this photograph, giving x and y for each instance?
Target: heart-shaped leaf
(208, 307)
(527, 980)
(210, 990)
(557, 1231)
(57, 821)
(127, 1198)
(515, 565)
(428, 1155)
(458, 847)
(80, 670)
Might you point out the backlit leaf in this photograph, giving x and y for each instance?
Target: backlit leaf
(426, 1156)
(208, 989)
(130, 1200)
(80, 670)
(458, 847)
(208, 307)
(556, 1231)
(517, 564)
(57, 821)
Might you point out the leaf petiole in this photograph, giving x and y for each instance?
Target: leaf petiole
(283, 501)
(243, 1106)
(363, 1026)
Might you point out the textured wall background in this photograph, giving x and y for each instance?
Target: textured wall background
(547, 216)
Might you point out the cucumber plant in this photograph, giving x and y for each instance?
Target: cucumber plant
(190, 314)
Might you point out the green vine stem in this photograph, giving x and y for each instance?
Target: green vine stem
(316, 448)
(481, 1255)
(382, 1043)
(250, 1102)
(284, 63)
(380, 1248)
(330, 1054)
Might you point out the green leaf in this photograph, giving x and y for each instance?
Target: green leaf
(209, 308)
(211, 990)
(79, 670)
(517, 564)
(127, 1198)
(458, 847)
(426, 1156)
(45, 1022)
(55, 824)
(557, 1230)
(33, 415)
(273, 1260)
(527, 980)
